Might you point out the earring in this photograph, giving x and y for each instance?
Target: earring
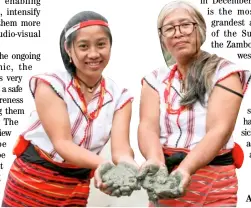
(70, 60)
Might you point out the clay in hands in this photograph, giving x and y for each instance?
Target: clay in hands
(161, 185)
(122, 179)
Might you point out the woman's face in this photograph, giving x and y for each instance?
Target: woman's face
(90, 51)
(181, 46)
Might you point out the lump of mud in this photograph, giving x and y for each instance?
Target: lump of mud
(123, 179)
(161, 185)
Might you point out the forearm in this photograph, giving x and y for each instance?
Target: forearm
(205, 151)
(125, 153)
(149, 143)
(76, 155)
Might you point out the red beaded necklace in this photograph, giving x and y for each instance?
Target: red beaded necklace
(95, 113)
(169, 107)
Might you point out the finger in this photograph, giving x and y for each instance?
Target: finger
(181, 188)
(97, 179)
(95, 183)
(105, 177)
(99, 174)
(184, 185)
(187, 181)
(109, 183)
(106, 184)
(107, 191)
(184, 182)
(111, 189)
(178, 193)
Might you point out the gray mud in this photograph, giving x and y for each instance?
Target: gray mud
(160, 185)
(121, 179)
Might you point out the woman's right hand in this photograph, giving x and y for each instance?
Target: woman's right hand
(99, 172)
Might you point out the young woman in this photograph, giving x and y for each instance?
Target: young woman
(77, 110)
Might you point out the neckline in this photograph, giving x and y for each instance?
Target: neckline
(90, 89)
(169, 107)
(93, 115)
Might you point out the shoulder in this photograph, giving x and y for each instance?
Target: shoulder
(157, 76)
(121, 95)
(226, 68)
(160, 73)
(58, 80)
(62, 76)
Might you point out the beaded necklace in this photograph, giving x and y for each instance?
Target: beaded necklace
(95, 113)
(169, 107)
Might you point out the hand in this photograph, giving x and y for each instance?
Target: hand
(153, 181)
(183, 178)
(123, 178)
(168, 190)
(162, 186)
(99, 172)
(153, 175)
(130, 182)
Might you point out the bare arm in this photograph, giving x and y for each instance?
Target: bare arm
(149, 129)
(54, 117)
(121, 149)
(223, 108)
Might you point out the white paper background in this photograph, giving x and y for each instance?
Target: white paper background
(135, 52)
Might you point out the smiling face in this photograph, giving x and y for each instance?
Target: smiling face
(181, 46)
(90, 51)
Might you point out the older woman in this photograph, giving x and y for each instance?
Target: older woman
(77, 110)
(188, 112)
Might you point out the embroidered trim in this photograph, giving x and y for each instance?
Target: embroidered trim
(44, 81)
(144, 79)
(127, 101)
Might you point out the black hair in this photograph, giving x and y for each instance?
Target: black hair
(80, 17)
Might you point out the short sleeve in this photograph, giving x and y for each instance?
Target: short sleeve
(124, 98)
(226, 69)
(53, 80)
(152, 79)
